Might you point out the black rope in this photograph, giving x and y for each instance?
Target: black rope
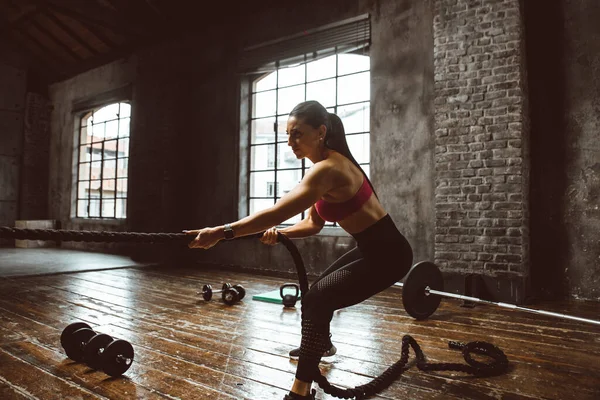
(498, 366)
(90, 236)
(473, 367)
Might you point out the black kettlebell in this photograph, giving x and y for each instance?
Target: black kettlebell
(289, 300)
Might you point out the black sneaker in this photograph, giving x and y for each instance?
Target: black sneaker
(295, 354)
(294, 396)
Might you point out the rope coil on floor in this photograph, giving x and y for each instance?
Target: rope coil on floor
(498, 366)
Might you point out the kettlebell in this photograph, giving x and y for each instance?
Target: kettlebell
(289, 300)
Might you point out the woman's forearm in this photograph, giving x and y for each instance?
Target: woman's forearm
(301, 229)
(255, 223)
(263, 220)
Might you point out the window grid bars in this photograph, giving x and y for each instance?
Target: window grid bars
(102, 165)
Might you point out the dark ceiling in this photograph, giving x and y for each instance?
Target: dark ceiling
(62, 38)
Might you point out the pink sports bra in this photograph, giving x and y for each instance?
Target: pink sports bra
(334, 212)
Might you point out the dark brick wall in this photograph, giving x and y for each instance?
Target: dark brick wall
(480, 128)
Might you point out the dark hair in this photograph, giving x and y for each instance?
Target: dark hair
(314, 114)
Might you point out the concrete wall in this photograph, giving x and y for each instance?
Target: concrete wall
(563, 48)
(62, 169)
(13, 86)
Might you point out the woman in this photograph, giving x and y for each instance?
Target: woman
(335, 189)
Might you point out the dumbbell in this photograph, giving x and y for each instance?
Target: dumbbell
(229, 294)
(99, 351)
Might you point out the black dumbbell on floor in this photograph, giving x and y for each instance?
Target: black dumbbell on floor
(229, 294)
(99, 351)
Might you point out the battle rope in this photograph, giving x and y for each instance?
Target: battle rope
(7, 232)
(378, 384)
(383, 381)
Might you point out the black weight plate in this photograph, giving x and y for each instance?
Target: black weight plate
(68, 331)
(416, 303)
(109, 359)
(240, 290)
(231, 296)
(226, 286)
(91, 354)
(207, 292)
(74, 345)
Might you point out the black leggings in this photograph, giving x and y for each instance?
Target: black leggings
(382, 257)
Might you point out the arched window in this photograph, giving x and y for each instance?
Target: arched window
(341, 83)
(103, 160)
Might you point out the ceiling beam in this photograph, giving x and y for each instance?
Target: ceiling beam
(69, 31)
(92, 13)
(56, 40)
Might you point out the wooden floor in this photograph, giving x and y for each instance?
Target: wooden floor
(191, 349)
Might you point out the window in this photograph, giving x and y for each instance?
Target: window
(341, 82)
(103, 158)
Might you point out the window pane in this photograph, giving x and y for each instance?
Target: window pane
(108, 208)
(109, 168)
(84, 138)
(112, 129)
(107, 113)
(265, 82)
(121, 208)
(84, 171)
(263, 104)
(356, 117)
(257, 205)
(125, 110)
(307, 163)
(84, 154)
(354, 88)
(82, 189)
(262, 130)
(122, 167)
(322, 91)
(82, 208)
(287, 180)
(359, 146)
(291, 76)
(321, 69)
(122, 187)
(287, 158)
(94, 210)
(258, 183)
(96, 169)
(95, 188)
(98, 132)
(96, 150)
(262, 157)
(349, 63)
(124, 127)
(289, 98)
(110, 149)
(123, 148)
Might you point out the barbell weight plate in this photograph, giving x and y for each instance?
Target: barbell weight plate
(226, 286)
(91, 354)
(240, 290)
(207, 292)
(110, 361)
(65, 336)
(231, 296)
(417, 303)
(75, 343)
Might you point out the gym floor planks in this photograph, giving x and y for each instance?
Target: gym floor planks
(187, 348)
